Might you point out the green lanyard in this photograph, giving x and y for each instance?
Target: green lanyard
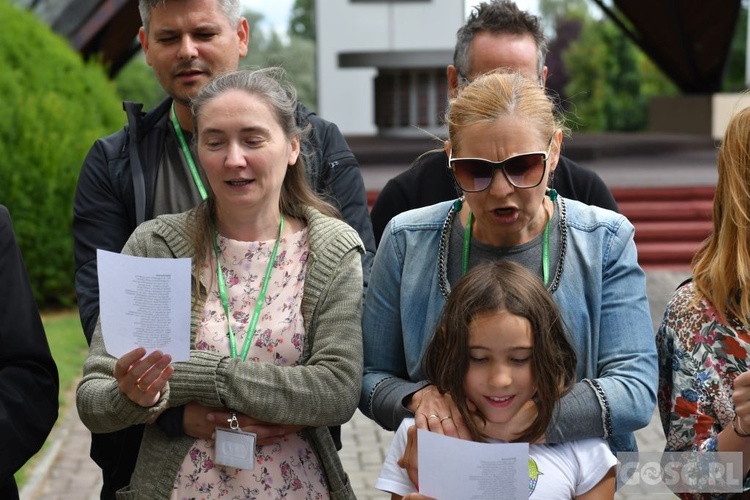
(258, 305)
(545, 249)
(188, 155)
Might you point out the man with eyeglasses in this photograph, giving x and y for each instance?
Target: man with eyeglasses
(497, 35)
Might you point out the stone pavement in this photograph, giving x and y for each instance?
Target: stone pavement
(66, 472)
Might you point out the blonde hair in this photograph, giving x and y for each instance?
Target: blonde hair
(500, 94)
(721, 267)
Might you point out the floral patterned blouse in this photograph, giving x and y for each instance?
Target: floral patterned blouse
(699, 358)
(289, 469)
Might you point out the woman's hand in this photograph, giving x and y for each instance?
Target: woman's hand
(741, 399)
(517, 425)
(200, 422)
(265, 432)
(437, 413)
(143, 379)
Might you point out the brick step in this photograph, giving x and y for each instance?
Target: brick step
(627, 194)
(675, 210)
(654, 254)
(672, 231)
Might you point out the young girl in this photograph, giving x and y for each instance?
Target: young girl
(501, 342)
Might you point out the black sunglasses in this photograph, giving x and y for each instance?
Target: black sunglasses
(522, 171)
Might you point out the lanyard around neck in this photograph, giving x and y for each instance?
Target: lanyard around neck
(258, 305)
(467, 248)
(187, 154)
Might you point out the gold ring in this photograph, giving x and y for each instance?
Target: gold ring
(445, 418)
(433, 416)
(138, 385)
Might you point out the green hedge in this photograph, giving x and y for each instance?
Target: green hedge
(52, 108)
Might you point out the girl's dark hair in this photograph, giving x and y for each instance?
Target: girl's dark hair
(502, 286)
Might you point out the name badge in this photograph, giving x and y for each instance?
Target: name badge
(235, 448)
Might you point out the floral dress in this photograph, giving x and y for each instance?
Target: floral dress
(289, 469)
(699, 358)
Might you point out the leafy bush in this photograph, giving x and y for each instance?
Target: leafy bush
(610, 80)
(136, 82)
(53, 107)
(296, 55)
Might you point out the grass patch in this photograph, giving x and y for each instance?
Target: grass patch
(69, 349)
(68, 346)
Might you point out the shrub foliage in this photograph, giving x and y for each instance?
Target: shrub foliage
(53, 107)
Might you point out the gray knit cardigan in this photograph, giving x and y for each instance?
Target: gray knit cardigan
(322, 391)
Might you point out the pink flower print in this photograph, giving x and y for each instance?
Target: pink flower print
(297, 341)
(270, 300)
(250, 493)
(231, 278)
(205, 487)
(265, 479)
(192, 479)
(249, 284)
(290, 477)
(208, 314)
(241, 318)
(286, 279)
(281, 261)
(224, 482)
(264, 339)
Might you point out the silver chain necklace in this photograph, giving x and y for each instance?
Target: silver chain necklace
(445, 288)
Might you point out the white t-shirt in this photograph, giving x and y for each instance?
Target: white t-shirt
(565, 470)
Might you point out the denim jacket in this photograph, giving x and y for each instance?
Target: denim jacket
(602, 297)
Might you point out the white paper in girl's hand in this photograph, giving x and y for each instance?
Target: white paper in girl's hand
(456, 468)
(144, 302)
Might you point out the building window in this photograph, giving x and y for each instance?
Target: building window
(409, 101)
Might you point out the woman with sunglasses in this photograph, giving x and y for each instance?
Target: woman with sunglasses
(504, 143)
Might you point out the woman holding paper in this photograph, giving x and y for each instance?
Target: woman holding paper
(275, 333)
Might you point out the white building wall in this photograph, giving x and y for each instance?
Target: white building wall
(345, 95)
